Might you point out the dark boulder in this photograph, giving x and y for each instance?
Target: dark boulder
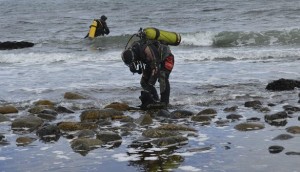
(275, 149)
(283, 85)
(49, 133)
(8, 45)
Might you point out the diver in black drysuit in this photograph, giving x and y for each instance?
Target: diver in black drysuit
(157, 62)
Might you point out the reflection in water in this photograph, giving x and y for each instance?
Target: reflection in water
(156, 159)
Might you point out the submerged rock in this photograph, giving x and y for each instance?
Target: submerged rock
(144, 120)
(170, 141)
(293, 129)
(249, 126)
(48, 114)
(283, 137)
(276, 116)
(85, 133)
(44, 102)
(73, 126)
(234, 116)
(84, 145)
(26, 123)
(49, 133)
(39, 108)
(61, 109)
(23, 141)
(275, 149)
(73, 96)
(177, 114)
(253, 104)
(175, 127)
(291, 108)
(201, 118)
(108, 136)
(157, 133)
(3, 118)
(163, 113)
(292, 153)
(209, 111)
(230, 109)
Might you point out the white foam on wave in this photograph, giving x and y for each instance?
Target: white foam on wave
(124, 157)
(197, 39)
(152, 158)
(189, 168)
(229, 54)
(46, 58)
(2, 158)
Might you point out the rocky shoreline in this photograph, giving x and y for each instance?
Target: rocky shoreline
(9, 45)
(92, 128)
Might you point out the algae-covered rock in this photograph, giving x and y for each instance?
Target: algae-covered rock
(95, 115)
(170, 141)
(84, 145)
(108, 136)
(253, 104)
(40, 108)
(156, 133)
(23, 141)
(118, 106)
(230, 109)
(249, 126)
(8, 109)
(201, 118)
(144, 120)
(85, 133)
(234, 116)
(283, 137)
(175, 127)
(73, 126)
(26, 123)
(293, 129)
(73, 96)
(208, 111)
(44, 102)
(3, 118)
(49, 133)
(177, 114)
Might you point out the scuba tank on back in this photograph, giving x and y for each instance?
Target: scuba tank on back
(166, 37)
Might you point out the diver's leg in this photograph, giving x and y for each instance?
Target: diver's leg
(164, 85)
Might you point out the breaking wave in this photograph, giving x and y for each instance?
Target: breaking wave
(239, 39)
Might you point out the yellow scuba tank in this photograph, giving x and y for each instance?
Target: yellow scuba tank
(93, 28)
(170, 38)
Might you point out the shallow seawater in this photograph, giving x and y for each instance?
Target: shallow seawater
(213, 148)
(230, 51)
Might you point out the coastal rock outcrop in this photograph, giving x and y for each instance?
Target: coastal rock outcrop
(9, 45)
(283, 85)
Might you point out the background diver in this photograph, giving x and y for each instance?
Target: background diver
(101, 27)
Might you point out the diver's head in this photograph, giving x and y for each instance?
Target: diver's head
(103, 17)
(128, 57)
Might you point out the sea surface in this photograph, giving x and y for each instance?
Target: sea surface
(230, 51)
